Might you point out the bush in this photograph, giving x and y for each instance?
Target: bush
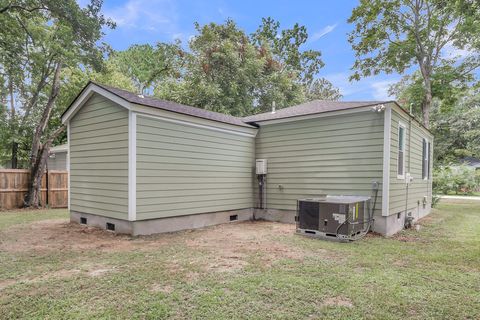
(459, 179)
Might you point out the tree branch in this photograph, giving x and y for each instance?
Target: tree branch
(15, 7)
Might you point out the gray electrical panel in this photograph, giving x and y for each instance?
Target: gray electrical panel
(341, 217)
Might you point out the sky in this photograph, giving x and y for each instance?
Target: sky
(150, 21)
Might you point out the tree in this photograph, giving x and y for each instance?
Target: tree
(227, 71)
(322, 89)
(145, 65)
(455, 114)
(285, 48)
(395, 35)
(457, 132)
(410, 91)
(40, 39)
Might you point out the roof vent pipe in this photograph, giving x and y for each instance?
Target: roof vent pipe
(273, 107)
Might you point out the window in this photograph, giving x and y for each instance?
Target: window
(401, 151)
(426, 145)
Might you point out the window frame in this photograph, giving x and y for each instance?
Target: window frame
(404, 127)
(426, 156)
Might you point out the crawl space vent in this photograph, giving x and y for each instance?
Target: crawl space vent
(110, 226)
(83, 220)
(234, 217)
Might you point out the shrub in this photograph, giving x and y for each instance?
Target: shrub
(458, 179)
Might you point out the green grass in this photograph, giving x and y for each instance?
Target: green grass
(475, 194)
(10, 218)
(433, 273)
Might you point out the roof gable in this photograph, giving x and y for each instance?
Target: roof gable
(126, 98)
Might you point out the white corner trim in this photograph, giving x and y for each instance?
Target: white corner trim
(86, 94)
(132, 166)
(387, 128)
(68, 163)
(191, 124)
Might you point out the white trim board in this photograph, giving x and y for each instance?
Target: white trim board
(316, 115)
(132, 166)
(197, 125)
(68, 163)
(387, 127)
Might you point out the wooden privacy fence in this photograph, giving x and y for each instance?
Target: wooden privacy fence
(13, 187)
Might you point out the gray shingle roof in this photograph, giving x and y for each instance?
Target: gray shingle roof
(471, 161)
(311, 107)
(174, 107)
(308, 108)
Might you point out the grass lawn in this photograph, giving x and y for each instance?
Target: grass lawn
(51, 269)
(474, 194)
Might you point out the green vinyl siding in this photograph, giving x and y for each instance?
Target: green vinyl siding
(336, 155)
(414, 134)
(99, 159)
(184, 169)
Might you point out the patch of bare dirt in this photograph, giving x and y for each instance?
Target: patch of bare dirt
(400, 263)
(373, 234)
(6, 283)
(167, 289)
(224, 248)
(231, 244)
(409, 238)
(429, 220)
(338, 302)
(49, 235)
(91, 271)
(99, 272)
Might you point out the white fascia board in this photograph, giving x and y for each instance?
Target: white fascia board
(387, 142)
(132, 166)
(68, 163)
(86, 94)
(196, 125)
(316, 115)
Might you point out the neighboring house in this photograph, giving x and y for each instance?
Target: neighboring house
(471, 162)
(147, 165)
(57, 157)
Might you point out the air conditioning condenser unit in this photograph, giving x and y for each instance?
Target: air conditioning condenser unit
(333, 217)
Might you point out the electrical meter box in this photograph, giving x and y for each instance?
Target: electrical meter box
(342, 217)
(261, 166)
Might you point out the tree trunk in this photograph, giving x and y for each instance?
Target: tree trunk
(32, 199)
(36, 174)
(14, 159)
(426, 106)
(427, 99)
(39, 152)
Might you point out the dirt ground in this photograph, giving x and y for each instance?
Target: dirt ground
(229, 244)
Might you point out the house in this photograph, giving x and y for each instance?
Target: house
(141, 165)
(471, 162)
(57, 157)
